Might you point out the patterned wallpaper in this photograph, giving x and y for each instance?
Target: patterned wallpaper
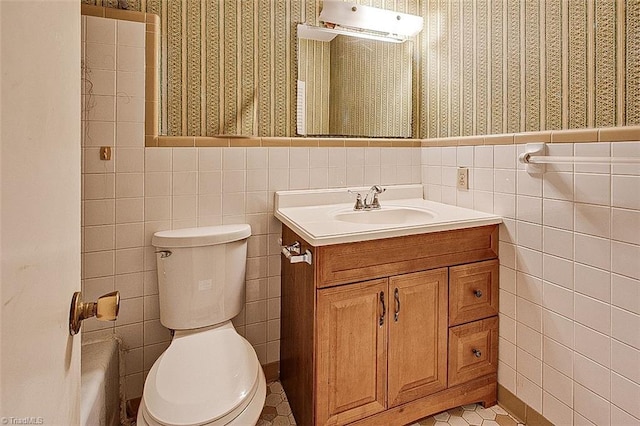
(497, 66)
(370, 89)
(356, 87)
(314, 69)
(483, 66)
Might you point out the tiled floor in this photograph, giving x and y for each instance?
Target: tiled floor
(277, 412)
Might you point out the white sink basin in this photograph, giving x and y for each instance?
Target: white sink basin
(391, 215)
(326, 216)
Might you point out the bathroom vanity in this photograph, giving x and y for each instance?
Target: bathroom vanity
(393, 320)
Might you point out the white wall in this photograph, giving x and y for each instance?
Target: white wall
(569, 278)
(40, 216)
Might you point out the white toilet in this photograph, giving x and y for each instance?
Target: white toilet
(209, 374)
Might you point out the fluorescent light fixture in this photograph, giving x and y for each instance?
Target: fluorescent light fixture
(328, 34)
(381, 22)
(351, 19)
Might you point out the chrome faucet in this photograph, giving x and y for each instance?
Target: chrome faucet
(365, 204)
(373, 192)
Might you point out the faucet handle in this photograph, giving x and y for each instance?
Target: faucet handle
(359, 204)
(375, 204)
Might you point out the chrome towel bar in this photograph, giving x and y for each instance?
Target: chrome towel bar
(534, 158)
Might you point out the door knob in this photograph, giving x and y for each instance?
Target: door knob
(106, 308)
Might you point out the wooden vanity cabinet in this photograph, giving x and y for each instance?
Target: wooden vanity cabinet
(389, 331)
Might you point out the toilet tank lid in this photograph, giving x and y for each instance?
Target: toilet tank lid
(198, 237)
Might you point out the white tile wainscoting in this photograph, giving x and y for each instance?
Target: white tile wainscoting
(569, 278)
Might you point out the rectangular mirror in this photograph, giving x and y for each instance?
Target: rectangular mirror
(354, 87)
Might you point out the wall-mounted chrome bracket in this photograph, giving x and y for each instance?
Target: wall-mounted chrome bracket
(530, 150)
(292, 252)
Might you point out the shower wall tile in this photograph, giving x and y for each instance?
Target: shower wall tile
(625, 293)
(130, 285)
(99, 133)
(100, 56)
(594, 345)
(103, 82)
(624, 360)
(625, 225)
(98, 186)
(590, 405)
(99, 212)
(593, 282)
(100, 30)
(555, 411)
(592, 188)
(592, 375)
(593, 220)
(569, 275)
(558, 185)
(158, 160)
(113, 191)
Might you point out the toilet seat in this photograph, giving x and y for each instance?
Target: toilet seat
(203, 377)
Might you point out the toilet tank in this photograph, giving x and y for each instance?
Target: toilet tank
(201, 274)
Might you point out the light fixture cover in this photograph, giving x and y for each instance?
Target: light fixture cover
(327, 34)
(359, 17)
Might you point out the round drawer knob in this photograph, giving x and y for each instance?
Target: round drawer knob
(477, 353)
(478, 293)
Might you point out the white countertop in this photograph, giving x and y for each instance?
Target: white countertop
(312, 215)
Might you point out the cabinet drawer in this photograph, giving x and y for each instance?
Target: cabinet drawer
(473, 350)
(473, 292)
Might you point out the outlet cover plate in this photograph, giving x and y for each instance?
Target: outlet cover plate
(462, 180)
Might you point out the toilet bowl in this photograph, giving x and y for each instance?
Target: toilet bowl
(209, 377)
(209, 374)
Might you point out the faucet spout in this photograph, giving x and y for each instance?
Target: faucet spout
(373, 192)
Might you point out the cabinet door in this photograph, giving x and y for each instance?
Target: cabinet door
(417, 335)
(352, 357)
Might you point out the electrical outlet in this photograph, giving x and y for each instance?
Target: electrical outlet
(463, 178)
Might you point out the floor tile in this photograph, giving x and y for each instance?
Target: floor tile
(276, 412)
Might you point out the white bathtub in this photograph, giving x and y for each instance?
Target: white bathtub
(100, 388)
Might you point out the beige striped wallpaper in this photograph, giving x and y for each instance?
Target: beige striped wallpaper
(370, 97)
(482, 66)
(356, 87)
(314, 64)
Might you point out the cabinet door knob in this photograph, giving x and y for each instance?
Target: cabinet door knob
(478, 293)
(384, 309)
(477, 353)
(396, 296)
